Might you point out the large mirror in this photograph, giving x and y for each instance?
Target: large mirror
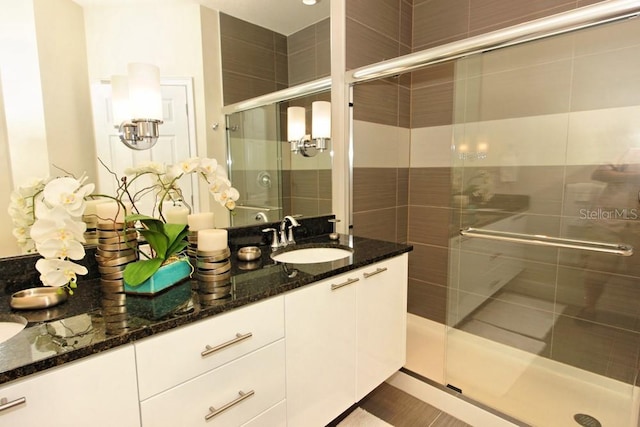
(56, 55)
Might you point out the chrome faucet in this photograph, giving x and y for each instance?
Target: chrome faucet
(284, 238)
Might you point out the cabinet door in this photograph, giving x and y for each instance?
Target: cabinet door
(320, 334)
(381, 323)
(96, 391)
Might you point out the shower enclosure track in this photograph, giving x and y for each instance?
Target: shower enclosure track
(542, 240)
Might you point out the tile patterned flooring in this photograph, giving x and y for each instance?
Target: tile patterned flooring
(403, 410)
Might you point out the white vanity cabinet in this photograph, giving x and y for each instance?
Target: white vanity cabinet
(226, 370)
(345, 336)
(97, 391)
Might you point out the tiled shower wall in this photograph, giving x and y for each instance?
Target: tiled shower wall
(422, 104)
(257, 61)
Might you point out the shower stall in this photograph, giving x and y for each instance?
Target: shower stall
(523, 209)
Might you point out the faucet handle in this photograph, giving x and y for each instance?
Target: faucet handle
(290, 239)
(334, 235)
(274, 239)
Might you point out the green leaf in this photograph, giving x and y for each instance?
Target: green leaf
(158, 242)
(177, 234)
(137, 272)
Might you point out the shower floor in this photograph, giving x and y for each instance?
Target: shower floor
(533, 389)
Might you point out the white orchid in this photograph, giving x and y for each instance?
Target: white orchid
(58, 272)
(147, 167)
(68, 193)
(47, 217)
(208, 166)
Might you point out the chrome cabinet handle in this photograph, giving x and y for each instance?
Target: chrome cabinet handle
(378, 271)
(213, 411)
(5, 404)
(239, 337)
(347, 283)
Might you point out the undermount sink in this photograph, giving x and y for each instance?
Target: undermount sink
(311, 255)
(11, 325)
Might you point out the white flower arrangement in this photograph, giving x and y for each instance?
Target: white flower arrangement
(47, 218)
(165, 181)
(47, 213)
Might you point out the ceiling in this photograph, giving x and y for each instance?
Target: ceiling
(282, 16)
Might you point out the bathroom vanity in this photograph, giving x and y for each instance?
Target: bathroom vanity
(294, 344)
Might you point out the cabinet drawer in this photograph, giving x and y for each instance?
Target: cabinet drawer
(276, 416)
(171, 358)
(261, 372)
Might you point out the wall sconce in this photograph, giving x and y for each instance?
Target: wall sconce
(303, 143)
(137, 106)
(481, 153)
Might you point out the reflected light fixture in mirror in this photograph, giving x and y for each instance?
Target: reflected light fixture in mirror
(137, 105)
(301, 142)
(309, 2)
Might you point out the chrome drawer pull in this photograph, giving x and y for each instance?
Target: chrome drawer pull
(213, 411)
(378, 271)
(239, 337)
(340, 285)
(5, 404)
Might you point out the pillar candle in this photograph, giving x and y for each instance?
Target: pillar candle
(90, 205)
(212, 240)
(177, 215)
(201, 221)
(109, 212)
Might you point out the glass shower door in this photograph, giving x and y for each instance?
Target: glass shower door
(543, 299)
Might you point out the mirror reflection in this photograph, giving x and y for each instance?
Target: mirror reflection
(274, 181)
(57, 56)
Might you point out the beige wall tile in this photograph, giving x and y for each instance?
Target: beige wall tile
(380, 146)
(606, 80)
(431, 146)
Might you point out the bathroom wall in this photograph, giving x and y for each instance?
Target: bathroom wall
(257, 61)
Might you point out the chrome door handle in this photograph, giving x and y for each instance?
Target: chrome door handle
(5, 404)
(343, 284)
(378, 271)
(213, 411)
(239, 337)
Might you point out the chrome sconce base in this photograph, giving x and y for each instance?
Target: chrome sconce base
(139, 134)
(308, 147)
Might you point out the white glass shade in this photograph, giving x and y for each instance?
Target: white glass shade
(120, 107)
(320, 119)
(295, 123)
(144, 91)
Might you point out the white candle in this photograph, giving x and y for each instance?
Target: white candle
(109, 212)
(201, 221)
(177, 215)
(90, 205)
(212, 240)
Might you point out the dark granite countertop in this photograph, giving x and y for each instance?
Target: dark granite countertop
(78, 328)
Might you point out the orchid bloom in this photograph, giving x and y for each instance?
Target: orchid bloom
(69, 193)
(208, 166)
(57, 272)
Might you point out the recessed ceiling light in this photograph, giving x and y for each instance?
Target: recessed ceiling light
(309, 2)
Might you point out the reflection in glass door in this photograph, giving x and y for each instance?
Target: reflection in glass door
(546, 142)
(255, 156)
